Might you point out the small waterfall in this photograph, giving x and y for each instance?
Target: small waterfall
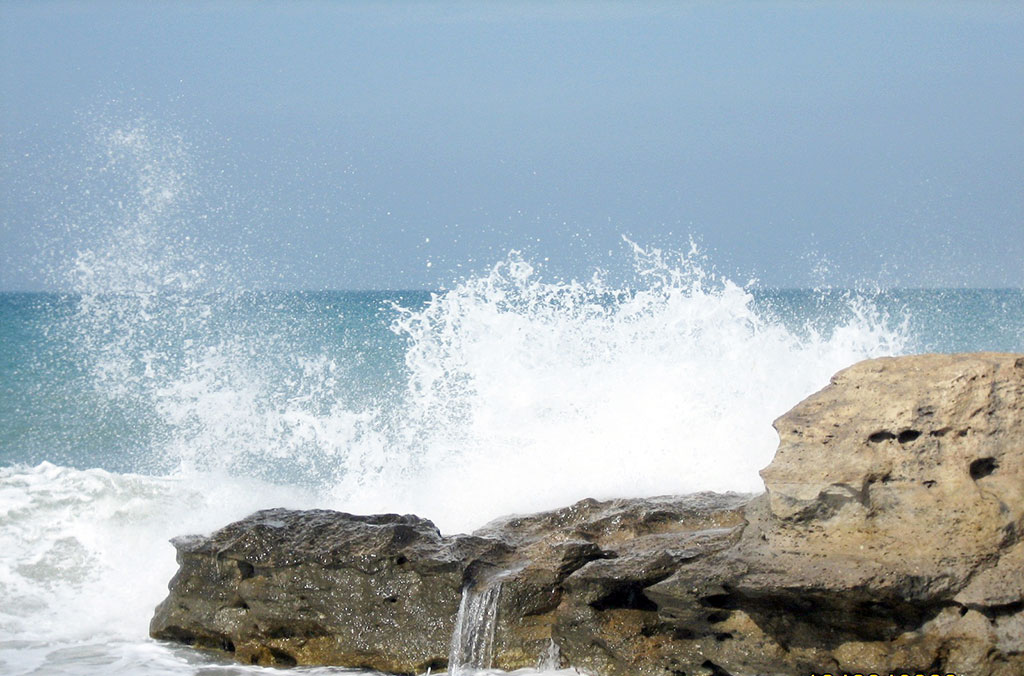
(551, 659)
(473, 639)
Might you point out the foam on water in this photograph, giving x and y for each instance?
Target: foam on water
(527, 394)
(84, 557)
(518, 393)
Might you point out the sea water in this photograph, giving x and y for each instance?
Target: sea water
(174, 415)
(157, 396)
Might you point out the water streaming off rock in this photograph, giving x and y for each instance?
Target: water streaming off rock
(473, 639)
(551, 660)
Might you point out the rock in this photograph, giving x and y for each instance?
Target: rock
(285, 587)
(890, 536)
(912, 467)
(590, 563)
(318, 587)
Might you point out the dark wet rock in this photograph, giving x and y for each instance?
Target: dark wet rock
(317, 587)
(592, 561)
(890, 536)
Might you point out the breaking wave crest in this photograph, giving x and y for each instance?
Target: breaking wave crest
(201, 400)
(507, 392)
(524, 394)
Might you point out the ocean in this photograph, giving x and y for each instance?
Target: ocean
(130, 416)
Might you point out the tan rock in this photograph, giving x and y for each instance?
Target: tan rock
(906, 467)
(1000, 585)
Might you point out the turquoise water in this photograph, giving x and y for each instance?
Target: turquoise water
(51, 408)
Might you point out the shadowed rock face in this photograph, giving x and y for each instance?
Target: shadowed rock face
(891, 535)
(317, 587)
(287, 587)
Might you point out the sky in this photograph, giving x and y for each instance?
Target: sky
(321, 145)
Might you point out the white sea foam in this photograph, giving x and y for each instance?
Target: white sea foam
(84, 559)
(521, 393)
(525, 394)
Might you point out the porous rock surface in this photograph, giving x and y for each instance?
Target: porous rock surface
(890, 536)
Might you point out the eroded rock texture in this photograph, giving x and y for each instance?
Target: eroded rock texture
(891, 535)
(318, 587)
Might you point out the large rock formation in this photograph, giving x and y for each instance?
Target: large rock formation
(285, 587)
(890, 536)
(890, 532)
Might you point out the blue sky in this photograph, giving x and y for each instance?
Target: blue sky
(403, 145)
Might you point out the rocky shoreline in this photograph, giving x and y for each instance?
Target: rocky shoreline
(890, 536)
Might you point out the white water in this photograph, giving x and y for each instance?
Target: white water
(473, 638)
(523, 393)
(528, 394)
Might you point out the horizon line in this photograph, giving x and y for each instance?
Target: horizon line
(827, 289)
